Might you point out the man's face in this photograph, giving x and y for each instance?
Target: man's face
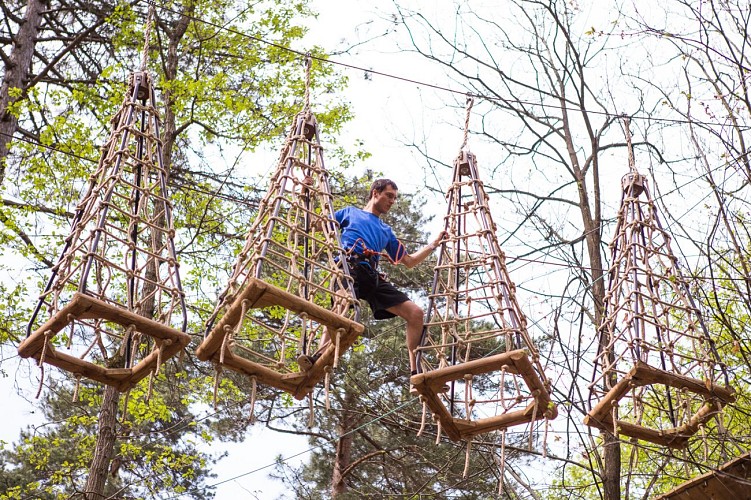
(383, 200)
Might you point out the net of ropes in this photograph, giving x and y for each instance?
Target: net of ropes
(290, 284)
(658, 377)
(480, 369)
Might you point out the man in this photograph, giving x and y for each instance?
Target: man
(364, 237)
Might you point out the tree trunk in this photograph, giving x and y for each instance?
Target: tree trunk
(341, 460)
(105, 445)
(17, 75)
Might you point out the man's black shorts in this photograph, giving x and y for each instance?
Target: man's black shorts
(379, 293)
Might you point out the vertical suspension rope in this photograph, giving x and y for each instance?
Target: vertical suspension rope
(466, 458)
(502, 461)
(253, 390)
(147, 37)
(470, 102)
(308, 66)
(629, 147)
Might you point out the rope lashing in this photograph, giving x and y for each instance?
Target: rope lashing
(253, 390)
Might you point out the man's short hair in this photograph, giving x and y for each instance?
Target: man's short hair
(379, 185)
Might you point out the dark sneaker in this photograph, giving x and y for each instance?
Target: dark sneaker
(306, 362)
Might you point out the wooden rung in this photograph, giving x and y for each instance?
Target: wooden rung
(662, 438)
(83, 307)
(429, 384)
(644, 374)
(116, 377)
(439, 377)
(468, 429)
(263, 374)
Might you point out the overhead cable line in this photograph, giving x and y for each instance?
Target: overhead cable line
(421, 83)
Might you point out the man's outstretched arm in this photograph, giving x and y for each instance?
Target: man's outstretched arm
(413, 259)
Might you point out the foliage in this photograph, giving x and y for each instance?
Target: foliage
(52, 461)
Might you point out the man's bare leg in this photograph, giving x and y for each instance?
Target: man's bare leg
(415, 317)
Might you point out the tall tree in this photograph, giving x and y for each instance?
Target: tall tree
(17, 71)
(552, 86)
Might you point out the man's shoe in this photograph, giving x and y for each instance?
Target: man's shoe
(306, 362)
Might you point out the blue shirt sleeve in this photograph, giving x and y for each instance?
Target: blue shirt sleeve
(394, 247)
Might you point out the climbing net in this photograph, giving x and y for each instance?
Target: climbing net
(114, 300)
(480, 369)
(290, 283)
(657, 373)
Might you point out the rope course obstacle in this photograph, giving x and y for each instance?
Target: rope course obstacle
(290, 283)
(480, 370)
(114, 298)
(656, 358)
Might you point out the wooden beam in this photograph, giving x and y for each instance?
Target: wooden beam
(260, 294)
(730, 480)
(669, 438)
(262, 373)
(116, 377)
(644, 374)
(675, 437)
(437, 378)
(83, 307)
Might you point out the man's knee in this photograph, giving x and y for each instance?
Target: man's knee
(414, 313)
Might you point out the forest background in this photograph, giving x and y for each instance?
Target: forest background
(552, 81)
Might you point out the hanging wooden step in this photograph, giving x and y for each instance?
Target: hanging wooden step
(290, 287)
(82, 307)
(473, 312)
(430, 385)
(258, 294)
(116, 284)
(641, 375)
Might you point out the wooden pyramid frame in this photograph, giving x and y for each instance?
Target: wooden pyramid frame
(293, 262)
(471, 284)
(121, 239)
(651, 325)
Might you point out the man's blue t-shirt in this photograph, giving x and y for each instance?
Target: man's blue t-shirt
(361, 230)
